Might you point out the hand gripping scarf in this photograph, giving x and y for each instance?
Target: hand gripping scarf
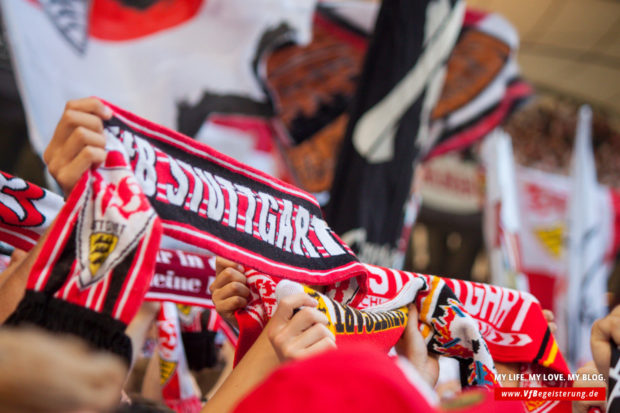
(379, 316)
(457, 318)
(93, 270)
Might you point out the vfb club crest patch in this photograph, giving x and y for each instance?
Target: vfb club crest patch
(111, 223)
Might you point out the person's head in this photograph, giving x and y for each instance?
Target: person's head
(42, 372)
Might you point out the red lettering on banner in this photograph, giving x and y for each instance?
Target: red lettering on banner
(450, 181)
(542, 199)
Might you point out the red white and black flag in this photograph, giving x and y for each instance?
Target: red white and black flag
(388, 131)
(483, 85)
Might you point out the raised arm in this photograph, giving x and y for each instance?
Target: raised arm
(289, 334)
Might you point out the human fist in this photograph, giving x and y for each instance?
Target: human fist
(229, 291)
(299, 334)
(78, 142)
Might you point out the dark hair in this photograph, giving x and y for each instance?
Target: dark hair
(140, 404)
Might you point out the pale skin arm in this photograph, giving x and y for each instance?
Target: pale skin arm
(13, 283)
(587, 369)
(286, 336)
(140, 325)
(151, 388)
(16, 258)
(258, 362)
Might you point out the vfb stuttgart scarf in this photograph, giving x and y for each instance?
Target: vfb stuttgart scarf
(214, 202)
(27, 210)
(96, 264)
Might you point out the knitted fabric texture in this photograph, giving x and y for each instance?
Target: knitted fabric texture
(453, 332)
(96, 264)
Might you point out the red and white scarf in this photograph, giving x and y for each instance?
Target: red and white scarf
(95, 266)
(27, 211)
(452, 314)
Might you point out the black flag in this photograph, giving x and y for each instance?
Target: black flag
(388, 128)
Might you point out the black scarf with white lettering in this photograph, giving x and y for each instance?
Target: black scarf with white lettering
(388, 128)
(211, 201)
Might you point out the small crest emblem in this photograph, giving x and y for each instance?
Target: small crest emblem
(101, 245)
(552, 238)
(166, 369)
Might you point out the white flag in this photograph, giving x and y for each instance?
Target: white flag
(590, 233)
(501, 215)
